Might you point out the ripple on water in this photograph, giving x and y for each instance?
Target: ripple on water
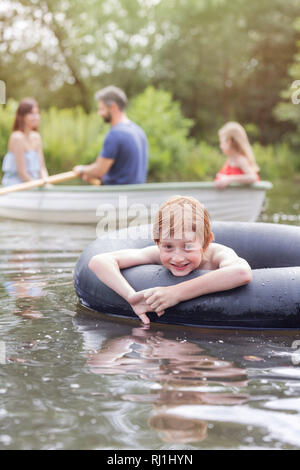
(77, 381)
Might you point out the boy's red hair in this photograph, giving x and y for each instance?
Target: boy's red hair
(179, 214)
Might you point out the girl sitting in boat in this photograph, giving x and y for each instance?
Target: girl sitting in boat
(24, 160)
(240, 166)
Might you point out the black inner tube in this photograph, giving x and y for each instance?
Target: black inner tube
(271, 300)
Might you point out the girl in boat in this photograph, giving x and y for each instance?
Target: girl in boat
(240, 165)
(24, 160)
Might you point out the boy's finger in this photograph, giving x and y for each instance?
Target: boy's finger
(158, 307)
(159, 314)
(150, 300)
(147, 293)
(136, 298)
(155, 306)
(144, 318)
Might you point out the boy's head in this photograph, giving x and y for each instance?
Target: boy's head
(182, 232)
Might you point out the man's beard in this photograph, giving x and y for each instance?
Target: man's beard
(107, 118)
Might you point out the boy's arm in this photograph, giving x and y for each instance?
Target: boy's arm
(230, 272)
(107, 267)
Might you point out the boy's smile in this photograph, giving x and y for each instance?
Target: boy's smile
(181, 256)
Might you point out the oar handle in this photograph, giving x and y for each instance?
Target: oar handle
(59, 178)
(69, 175)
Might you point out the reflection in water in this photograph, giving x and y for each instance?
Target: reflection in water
(175, 429)
(149, 389)
(24, 285)
(182, 372)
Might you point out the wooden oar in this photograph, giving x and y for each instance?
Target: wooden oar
(59, 178)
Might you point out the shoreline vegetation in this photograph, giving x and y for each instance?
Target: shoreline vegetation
(73, 136)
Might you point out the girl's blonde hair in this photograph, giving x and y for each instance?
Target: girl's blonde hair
(180, 214)
(239, 141)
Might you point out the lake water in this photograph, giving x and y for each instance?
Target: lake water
(73, 380)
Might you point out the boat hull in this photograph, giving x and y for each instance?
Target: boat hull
(129, 204)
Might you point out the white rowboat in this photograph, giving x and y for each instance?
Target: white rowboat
(88, 204)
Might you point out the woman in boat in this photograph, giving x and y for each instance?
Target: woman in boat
(240, 165)
(24, 160)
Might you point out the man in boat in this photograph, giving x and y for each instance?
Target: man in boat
(124, 155)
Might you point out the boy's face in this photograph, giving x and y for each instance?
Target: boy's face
(181, 256)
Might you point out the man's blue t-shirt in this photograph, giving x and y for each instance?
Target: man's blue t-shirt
(127, 144)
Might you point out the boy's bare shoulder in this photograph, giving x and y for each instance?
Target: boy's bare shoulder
(216, 253)
(218, 248)
(151, 253)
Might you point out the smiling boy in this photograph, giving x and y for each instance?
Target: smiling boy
(183, 242)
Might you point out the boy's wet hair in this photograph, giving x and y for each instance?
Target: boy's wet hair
(181, 214)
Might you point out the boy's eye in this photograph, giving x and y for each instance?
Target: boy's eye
(188, 246)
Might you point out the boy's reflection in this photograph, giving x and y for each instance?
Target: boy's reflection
(184, 375)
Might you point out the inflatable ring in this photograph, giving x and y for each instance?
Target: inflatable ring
(271, 300)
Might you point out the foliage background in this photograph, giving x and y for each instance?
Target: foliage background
(187, 66)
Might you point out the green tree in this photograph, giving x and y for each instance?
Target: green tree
(220, 59)
(288, 110)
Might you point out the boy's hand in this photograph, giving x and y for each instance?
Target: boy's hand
(156, 299)
(139, 307)
(160, 298)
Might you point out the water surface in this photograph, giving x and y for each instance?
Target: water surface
(70, 379)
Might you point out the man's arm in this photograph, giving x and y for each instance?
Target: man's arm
(107, 267)
(95, 170)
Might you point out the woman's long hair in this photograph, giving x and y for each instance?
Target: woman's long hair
(25, 107)
(239, 141)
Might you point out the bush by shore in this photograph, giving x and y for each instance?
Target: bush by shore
(72, 137)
